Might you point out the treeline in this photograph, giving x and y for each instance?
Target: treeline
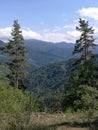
(80, 91)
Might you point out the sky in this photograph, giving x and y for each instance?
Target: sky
(48, 20)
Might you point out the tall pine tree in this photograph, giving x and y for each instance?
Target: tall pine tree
(85, 41)
(16, 51)
(81, 91)
(83, 46)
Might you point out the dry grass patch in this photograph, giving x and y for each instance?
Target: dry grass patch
(58, 121)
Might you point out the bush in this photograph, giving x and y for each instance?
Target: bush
(83, 98)
(16, 106)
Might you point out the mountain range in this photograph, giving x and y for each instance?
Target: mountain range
(50, 64)
(41, 53)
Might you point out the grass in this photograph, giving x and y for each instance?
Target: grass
(61, 121)
(56, 121)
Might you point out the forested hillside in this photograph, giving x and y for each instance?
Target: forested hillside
(51, 78)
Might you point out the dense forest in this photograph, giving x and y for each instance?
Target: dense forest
(50, 82)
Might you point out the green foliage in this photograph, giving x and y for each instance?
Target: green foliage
(16, 105)
(15, 108)
(52, 102)
(85, 41)
(81, 94)
(84, 75)
(82, 98)
(51, 78)
(48, 83)
(16, 61)
(14, 101)
(33, 103)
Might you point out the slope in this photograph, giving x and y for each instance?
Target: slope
(51, 78)
(41, 53)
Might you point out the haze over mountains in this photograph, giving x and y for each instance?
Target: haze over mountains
(41, 53)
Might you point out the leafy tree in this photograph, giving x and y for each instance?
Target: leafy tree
(16, 62)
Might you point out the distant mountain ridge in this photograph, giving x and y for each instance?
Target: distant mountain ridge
(41, 53)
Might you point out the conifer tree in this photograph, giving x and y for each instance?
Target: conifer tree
(16, 51)
(83, 46)
(82, 87)
(85, 41)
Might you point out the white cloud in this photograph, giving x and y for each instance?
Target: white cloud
(56, 34)
(90, 12)
(5, 33)
(56, 29)
(29, 34)
(96, 34)
(53, 37)
(60, 33)
(69, 26)
(50, 35)
(69, 36)
(65, 33)
(74, 33)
